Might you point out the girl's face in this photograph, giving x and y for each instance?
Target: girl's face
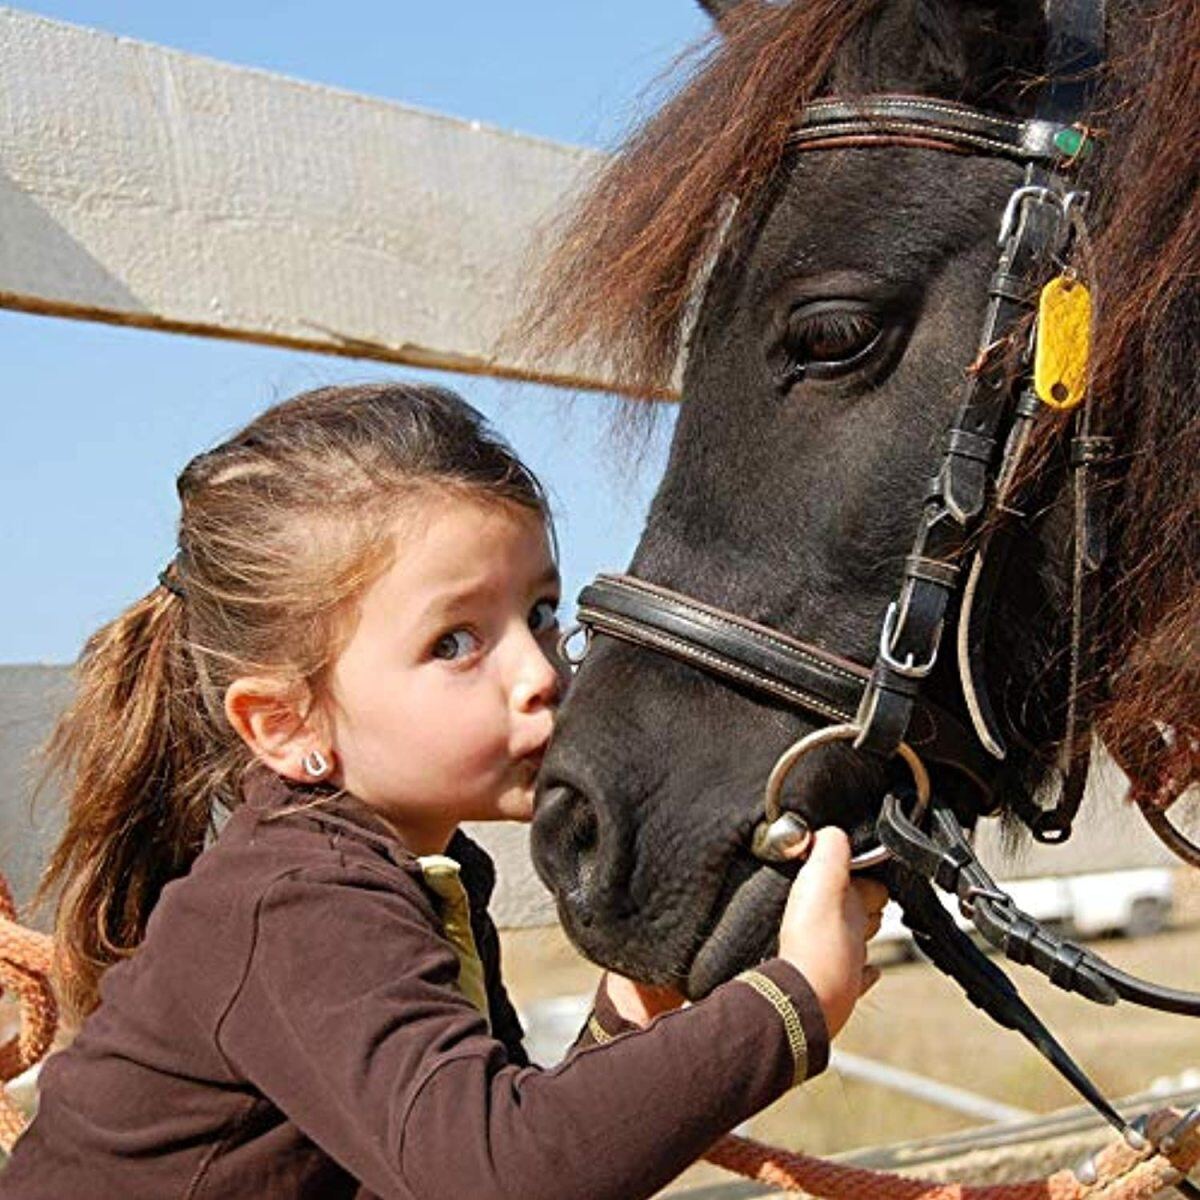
(444, 697)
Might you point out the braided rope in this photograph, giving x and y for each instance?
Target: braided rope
(1121, 1173)
(25, 963)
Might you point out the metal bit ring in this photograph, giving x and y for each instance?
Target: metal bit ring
(780, 830)
(573, 658)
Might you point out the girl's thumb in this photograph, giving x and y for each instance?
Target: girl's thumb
(830, 850)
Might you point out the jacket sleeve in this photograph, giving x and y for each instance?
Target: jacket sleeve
(348, 1019)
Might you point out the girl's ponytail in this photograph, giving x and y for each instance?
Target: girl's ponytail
(126, 748)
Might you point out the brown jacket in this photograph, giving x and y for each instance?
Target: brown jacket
(293, 1026)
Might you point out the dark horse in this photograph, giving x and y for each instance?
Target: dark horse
(829, 306)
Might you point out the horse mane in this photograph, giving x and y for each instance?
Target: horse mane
(1146, 393)
(629, 258)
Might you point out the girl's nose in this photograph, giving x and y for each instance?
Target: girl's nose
(538, 683)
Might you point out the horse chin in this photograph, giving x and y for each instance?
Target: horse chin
(744, 933)
(746, 928)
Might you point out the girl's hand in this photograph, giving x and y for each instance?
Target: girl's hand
(826, 925)
(640, 1002)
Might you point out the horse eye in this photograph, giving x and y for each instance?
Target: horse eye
(829, 339)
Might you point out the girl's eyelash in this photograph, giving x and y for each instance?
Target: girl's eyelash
(447, 641)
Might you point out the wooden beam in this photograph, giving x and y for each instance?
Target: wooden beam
(143, 186)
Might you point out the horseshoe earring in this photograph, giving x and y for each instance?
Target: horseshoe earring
(315, 764)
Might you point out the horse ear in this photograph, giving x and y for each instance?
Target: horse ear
(719, 9)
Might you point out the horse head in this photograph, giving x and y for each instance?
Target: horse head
(828, 301)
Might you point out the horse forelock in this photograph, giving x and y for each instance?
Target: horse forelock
(626, 259)
(627, 256)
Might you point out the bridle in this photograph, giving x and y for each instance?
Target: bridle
(961, 540)
(958, 547)
(958, 553)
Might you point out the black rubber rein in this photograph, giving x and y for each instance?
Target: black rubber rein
(946, 858)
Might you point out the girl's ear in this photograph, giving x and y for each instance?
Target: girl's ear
(277, 721)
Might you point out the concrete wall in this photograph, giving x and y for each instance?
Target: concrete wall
(31, 698)
(1110, 835)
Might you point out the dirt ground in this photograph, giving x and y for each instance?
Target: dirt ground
(917, 1020)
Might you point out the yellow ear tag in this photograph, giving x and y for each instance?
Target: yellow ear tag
(1060, 359)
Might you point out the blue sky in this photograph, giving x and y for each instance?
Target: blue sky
(98, 420)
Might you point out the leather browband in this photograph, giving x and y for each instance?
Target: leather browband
(764, 661)
(886, 118)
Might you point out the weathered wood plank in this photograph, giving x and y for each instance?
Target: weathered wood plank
(143, 186)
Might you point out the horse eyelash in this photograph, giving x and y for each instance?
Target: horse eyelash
(835, 325)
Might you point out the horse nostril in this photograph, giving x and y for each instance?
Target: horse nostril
(568, 818)
(564, 836)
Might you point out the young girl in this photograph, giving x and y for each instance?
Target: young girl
(351, 653)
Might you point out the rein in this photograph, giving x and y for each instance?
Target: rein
(959, 551)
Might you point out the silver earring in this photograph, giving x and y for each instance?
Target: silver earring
(315, 764)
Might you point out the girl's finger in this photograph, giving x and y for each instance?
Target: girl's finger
(870, 977)
(830, 849)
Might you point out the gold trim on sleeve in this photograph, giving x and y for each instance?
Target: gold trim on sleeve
(778, 999)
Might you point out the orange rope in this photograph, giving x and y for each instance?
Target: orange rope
(1122, 1173)
(25, 962)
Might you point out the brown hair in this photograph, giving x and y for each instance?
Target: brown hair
(1147, 395)
(281, 528)
(626, 267)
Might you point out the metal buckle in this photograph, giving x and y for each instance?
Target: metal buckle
(966, 901)
(565, 640)
(1169, 1142)
(1067, 203)
(907, 668)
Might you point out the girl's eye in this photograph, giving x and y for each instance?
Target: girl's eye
(458, 643)
(829, 338)
(543, 616)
